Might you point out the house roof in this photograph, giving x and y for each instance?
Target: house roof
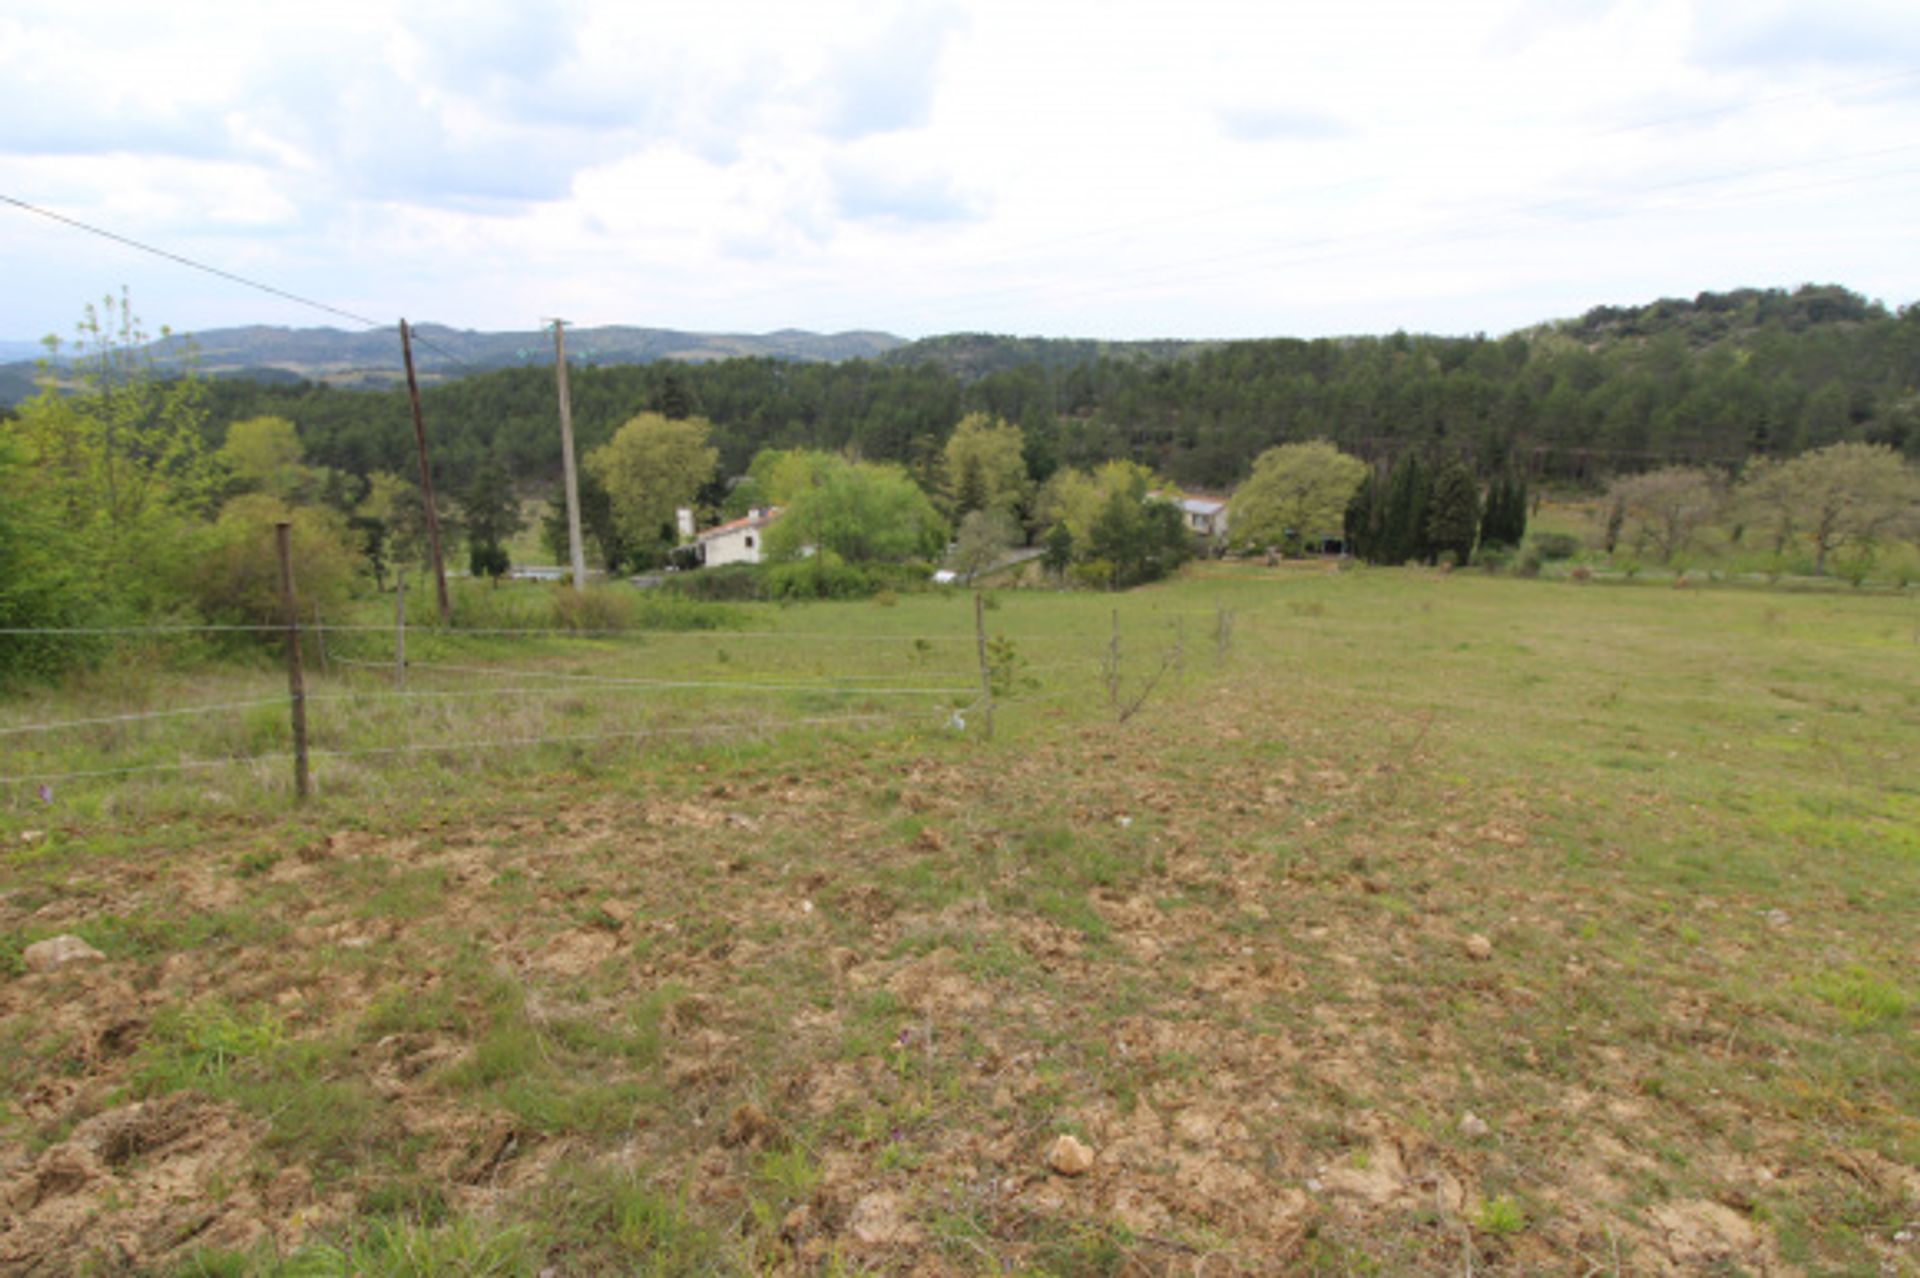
(1202, 505)
(758, 520)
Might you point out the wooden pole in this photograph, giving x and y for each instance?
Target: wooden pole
(574, 548)
(400, 627)
(986, 676)
(426, 478)
(296, 681)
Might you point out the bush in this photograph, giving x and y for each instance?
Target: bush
(1552, 546)
(733, 583)
(598, 608)
(237, 579)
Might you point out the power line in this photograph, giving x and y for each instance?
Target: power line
(132, 243)
(221, 273)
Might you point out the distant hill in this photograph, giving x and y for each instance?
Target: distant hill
(372, 358)
(1712, 317)
(973, 355)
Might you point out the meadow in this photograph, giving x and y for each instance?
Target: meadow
(1416, 922)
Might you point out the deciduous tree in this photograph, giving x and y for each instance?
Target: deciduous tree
(1844, 496)
(1296, 492)
(860, 511)
(651, 466)
(1670, 506)
(986, 466)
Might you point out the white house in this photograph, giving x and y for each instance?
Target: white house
(739, 542)
(1205, 516)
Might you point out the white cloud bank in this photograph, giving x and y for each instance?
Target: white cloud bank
(1106, 169)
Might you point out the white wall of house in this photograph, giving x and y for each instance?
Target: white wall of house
(734, 546)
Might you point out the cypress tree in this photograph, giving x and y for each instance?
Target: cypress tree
(1403, 528)
(1493, 519)
(1363, 519)
(1453, 514)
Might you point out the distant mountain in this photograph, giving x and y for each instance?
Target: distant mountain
(328, 353)
(372, 359)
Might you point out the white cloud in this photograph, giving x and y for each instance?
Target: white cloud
(1124, 168)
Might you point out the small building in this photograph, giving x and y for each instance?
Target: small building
(1205, 517)
(740, 542)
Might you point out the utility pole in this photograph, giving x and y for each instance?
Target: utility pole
(426, 479)
(566, 455)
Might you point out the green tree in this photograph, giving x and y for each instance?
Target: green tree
(986, 466)
(1140, 540)
(119, 463)
(43, 582)
(1059, 550)
(597, 527)
(1453, 514)
(1403, 527)
(652, 466)
(492, 516)
(982, 540)
(860, 511)
(1296, 492)
(264, 455)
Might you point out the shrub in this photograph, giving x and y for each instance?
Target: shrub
(238, 578)
(595, 609)
(1552, 546)
(733, 583)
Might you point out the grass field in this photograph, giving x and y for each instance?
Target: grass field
(1436, 923)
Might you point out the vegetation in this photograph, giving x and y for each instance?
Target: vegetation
(446, 1018)
(1296, 492)
(1710, 381)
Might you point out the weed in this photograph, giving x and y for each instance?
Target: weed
(199, 1046)
(1499, 1217)
(1865, 1000)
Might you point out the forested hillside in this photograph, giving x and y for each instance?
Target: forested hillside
(1711, 380)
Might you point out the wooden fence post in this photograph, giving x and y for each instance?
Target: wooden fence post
(986, 674)
(296, 682)
(400, 627)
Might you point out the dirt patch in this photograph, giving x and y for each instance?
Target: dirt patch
(176, 1170)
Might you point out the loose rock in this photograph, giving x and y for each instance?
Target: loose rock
(1070, 1157)
(1479, 948)
(58, 951)
(1472, 1126)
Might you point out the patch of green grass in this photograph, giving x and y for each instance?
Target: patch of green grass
(200, 1046)
(604, 1221)
(1499, 1217)
(1866, 1001)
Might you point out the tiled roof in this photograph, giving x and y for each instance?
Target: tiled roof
(760, 520)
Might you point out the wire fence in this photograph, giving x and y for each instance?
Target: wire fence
(365, 697)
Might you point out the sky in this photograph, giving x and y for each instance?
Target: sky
(1111, 169)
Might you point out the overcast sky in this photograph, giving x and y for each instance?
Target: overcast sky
(1104, 169)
